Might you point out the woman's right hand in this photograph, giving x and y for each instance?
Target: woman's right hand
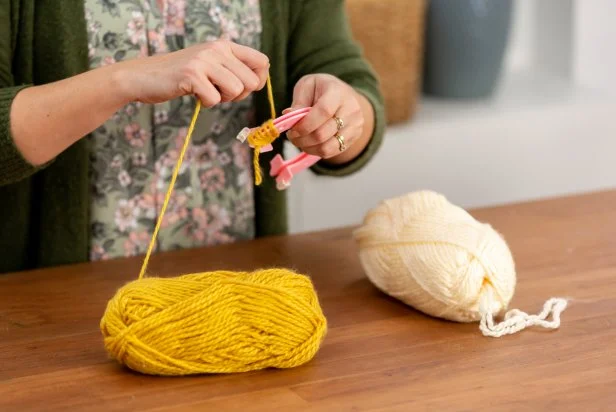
(45, 120)
(217, 71)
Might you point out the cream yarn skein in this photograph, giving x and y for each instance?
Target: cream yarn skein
(435, 257)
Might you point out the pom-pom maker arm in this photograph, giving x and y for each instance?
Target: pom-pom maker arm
(283, 170)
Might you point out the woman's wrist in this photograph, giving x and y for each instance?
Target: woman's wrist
(122, 82)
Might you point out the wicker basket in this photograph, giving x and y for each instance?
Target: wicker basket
(391, 33)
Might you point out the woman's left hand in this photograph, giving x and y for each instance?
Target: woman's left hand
(335, 129)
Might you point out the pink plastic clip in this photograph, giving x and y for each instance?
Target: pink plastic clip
(281, 169)
(287, 121)
(283, 123)
(284, 170)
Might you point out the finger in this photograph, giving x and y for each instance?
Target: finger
(290, 109)
(250, 80)
(256, 61)
(349, 136)
(229, 85)
(206, 92)
(303, 93)
(322, 111)
(329, 148)
(325, 132)
(262, 75)
(252, 58)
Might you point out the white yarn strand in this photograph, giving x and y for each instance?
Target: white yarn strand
(515, 320)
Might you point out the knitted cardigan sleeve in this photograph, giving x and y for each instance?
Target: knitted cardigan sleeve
(13, 166)
(321, 41)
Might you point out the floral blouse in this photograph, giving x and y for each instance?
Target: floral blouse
(133, 154)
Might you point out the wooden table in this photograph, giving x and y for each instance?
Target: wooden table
(378, 355)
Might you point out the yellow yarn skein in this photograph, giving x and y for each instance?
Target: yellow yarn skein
(218, 322)
(214, 322)
(435, 257)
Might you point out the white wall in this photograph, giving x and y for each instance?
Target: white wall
(595, 44)
(549, 130)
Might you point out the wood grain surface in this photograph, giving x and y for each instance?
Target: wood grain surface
(379, 355)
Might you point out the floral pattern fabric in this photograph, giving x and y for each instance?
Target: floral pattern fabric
(133, 154)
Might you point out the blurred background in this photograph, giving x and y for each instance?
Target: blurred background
(489, 102)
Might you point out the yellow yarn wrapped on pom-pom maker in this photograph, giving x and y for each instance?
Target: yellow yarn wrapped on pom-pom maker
(218, 322)
(215, 322)
(435, 257)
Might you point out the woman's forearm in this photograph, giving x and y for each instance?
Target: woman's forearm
(47, 119)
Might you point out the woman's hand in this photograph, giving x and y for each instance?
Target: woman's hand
(47, 119)
(218, 71)
(331, 99)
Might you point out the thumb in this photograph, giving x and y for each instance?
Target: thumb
(303, 93)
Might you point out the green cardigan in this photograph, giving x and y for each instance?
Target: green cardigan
(44, 213)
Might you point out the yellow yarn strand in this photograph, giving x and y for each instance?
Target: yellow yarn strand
(214, 322)
(174, 176)
(270, 97)
(263, 135)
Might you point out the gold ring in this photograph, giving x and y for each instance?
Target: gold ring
(340, 142)
(339, 122)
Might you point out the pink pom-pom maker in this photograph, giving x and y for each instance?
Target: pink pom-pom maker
(284, 170)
